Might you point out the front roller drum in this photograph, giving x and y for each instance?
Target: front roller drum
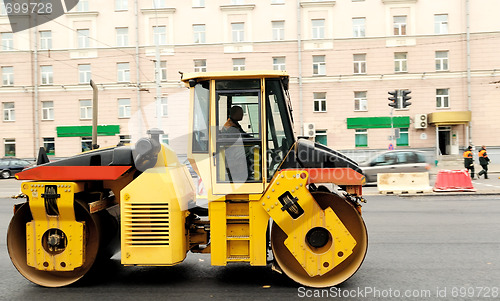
(100, 228)
(351, 219)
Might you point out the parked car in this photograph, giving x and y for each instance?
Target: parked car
(11, 166)
(397, 161)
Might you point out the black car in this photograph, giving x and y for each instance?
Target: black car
(11, 166)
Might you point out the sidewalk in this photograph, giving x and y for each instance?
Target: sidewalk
(493, 169)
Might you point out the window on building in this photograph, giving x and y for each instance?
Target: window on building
(198, 3)
(8, 76)
(3, 12)
(123, 72)
(82, 6)
(399, 25)
(442, 98)
(400, 62)
(163, 70)
(124, 107)
(277, 1)
(47, 75)
(200, 65)
(321, 137)
(83, 38)
(7, 41)
(360, 101)
(278, 30)
(159, 3)
(10, 147)
(358, 27)
(238, 32)
(160, 35)
(50, 146)
(84, 74)
(319, 65)
(319, 101)
(403, 139)
(86, 144)
(359, 63)
(361, 138)
(164, 106)
(239, 64)
(122, 36)
(441, 24)
(318, 28)
(121, 4)
(45, 40)
(164, 139)
(47, 110)
(279, 63)
(125, 139)
(199, 33)
(9, 111)
(86, 109)
(441, 60)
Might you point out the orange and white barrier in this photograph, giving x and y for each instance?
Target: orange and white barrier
(453, 180)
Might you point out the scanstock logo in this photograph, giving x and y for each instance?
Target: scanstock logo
(24, 14)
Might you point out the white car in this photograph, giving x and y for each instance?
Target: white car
(397, 161)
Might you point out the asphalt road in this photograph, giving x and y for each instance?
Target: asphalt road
(423, 247)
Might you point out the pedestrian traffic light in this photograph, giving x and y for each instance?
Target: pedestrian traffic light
(393, 100)
(406, 98)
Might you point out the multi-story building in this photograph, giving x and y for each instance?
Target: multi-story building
(343, 56)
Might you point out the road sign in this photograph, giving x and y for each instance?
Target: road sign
(391, 146)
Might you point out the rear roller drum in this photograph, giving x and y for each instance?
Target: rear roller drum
(321, 239)
(16, 244)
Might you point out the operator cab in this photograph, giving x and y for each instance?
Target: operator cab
(241, 130)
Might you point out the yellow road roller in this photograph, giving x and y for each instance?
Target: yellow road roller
(273, 199)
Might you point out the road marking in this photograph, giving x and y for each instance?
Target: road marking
(490, 185)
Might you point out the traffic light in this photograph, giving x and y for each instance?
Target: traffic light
(393, 100)
(406, 98)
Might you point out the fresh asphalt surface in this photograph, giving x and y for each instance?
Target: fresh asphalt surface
(428, 247)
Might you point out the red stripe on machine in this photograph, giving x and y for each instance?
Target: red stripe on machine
(72, 173)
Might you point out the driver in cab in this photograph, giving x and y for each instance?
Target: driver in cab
(236, 158)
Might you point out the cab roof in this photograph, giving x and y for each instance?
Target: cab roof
(232, 75)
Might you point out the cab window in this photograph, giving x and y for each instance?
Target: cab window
(200, 117)
(280, 136)
(238, 141)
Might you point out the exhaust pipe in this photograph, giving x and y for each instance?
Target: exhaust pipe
(94, 115)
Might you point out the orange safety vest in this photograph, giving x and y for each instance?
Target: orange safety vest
(482, 153)
(468, 154)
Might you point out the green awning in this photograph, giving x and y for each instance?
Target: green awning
(378, 122)
(86, 130)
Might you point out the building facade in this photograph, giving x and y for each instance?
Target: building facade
(343, 57)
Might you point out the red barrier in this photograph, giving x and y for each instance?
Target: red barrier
(453, 180)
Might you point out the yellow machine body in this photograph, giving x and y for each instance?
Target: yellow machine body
(38, 254)
(317, 235)
(238, 230)
(315, 261)
(240, 213)
(153, 212)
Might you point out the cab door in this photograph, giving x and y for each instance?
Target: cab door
(236, 142)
